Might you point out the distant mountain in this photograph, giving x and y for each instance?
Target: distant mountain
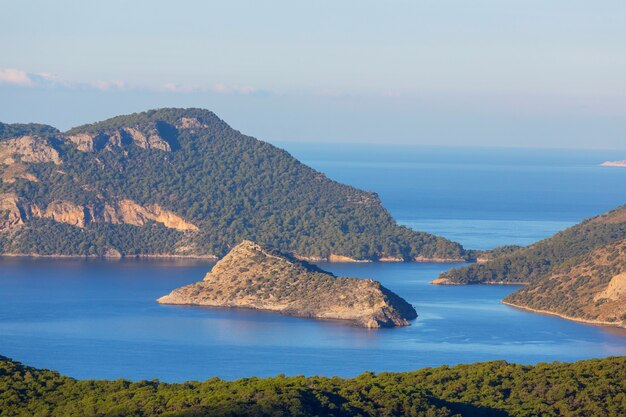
(579, 273)
(614, 163)
(258, 277)
(181, 182)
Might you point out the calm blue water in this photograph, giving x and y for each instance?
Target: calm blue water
(98, 319)
(481, 197)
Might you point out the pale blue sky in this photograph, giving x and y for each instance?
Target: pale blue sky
(510, 73)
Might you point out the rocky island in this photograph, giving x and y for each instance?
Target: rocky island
(614, 163)
(258, 277)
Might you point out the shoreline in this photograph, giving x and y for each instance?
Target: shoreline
(566, 317)
(446, 281)
(107, 257)
(332, 259)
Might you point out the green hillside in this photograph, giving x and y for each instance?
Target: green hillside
(531, 263)
(491, 389)
(181, 182)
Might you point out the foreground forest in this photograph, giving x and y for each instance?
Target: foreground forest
(181, 182)
(492, 389)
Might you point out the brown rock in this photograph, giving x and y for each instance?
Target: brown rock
(252, 276)
(28, 149)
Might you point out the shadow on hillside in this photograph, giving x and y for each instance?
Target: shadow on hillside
(469, 410)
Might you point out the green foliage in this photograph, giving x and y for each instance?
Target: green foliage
(533, 262)
(19, 129)
(231, 186)
(498, 389)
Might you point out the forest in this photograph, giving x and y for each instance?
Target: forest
(232, 186)
(586, 388)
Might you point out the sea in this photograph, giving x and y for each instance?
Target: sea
(99, 319)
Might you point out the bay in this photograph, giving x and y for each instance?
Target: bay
(99, 319)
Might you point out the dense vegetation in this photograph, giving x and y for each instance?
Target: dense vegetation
(497, 389)
(232, 186)
(19, 129)
(588, 288)
(535, 261)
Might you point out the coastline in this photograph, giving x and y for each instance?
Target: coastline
(330, 259)
(108, 257)
(445, 281)
(566, 317)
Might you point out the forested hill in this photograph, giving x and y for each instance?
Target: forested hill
(532, 263)
(590, 289)
(492, 389)
(579, 273)
(181, 182)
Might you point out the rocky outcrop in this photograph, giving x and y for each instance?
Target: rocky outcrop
(146, 139)
(10, 213)
(64, 212)
(16, 212)
(256, 277)
(12, 172)
(129, 212)
(28, 149)
(190, 123)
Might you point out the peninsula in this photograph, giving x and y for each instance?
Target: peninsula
(257, 277)
(578, 274)
(183, 183)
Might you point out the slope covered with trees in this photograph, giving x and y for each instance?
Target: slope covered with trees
(497, 389)
(579, 273)
(529, 264)
(181, 182)
(592, 288)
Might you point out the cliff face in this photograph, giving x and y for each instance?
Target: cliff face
(252, 276)
(591, 289)
(17, 212)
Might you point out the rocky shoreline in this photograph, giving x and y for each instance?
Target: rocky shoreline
(566, 317)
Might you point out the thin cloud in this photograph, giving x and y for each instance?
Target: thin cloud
(15, 77)
(21, 78)
(108, 85)
(234, 89)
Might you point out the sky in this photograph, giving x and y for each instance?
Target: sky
(531, 73)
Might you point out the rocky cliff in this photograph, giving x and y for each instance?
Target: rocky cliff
(253, 276)
(17, 212)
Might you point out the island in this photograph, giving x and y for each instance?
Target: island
(614, 163)
(259, 277)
